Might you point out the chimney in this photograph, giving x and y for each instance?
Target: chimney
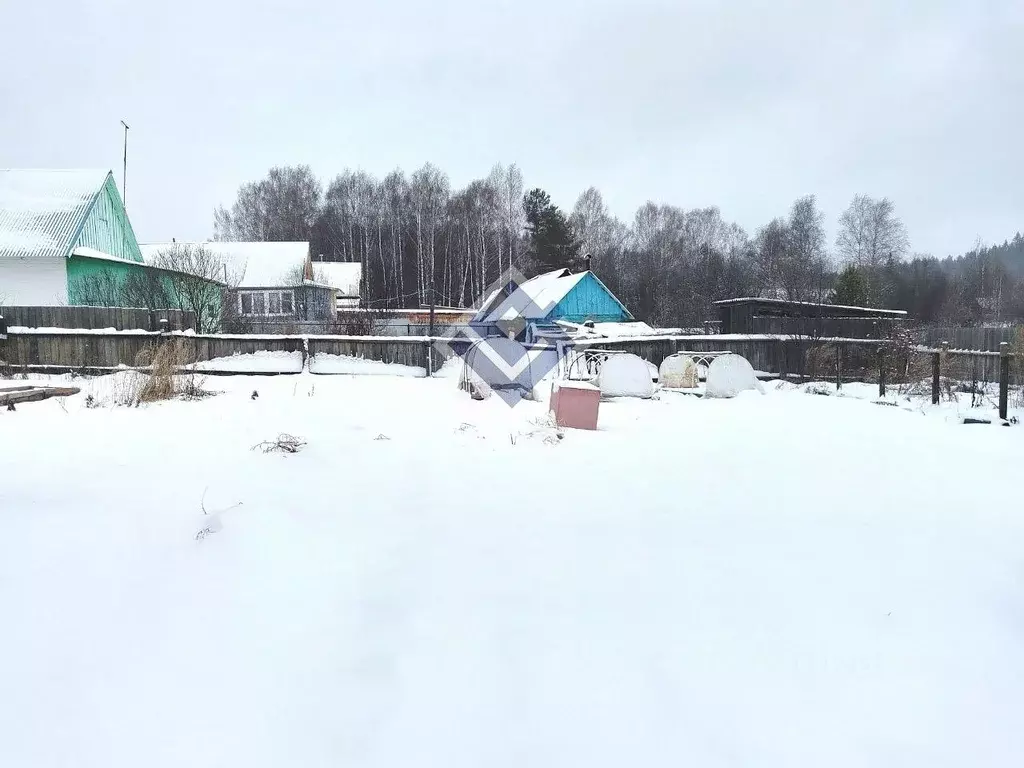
(586, 262)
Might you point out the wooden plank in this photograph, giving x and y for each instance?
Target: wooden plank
(35, 394)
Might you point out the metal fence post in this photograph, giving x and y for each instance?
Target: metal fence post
(1004, 379)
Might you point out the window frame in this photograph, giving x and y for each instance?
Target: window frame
(261, 302)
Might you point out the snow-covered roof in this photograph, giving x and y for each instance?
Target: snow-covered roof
(632, 328)
(755, 299)
(249, 265)
(534, 298)
(91, 253)
(343, 276)
(41, 211)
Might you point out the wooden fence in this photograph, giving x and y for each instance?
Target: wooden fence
(93, 318)
(828, 359)
(101, 352)
(973, 338)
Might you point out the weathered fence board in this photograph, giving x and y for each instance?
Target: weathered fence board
(813, 327)
(973, 338)
(92, 318)
(75, 351)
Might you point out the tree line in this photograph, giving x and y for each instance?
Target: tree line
(418, 238)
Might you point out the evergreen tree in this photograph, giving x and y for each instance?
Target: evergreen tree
(552, 243)
(851, 288)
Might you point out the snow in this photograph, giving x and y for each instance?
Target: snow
(611, 330)
(625, 375)
(93, 253)
(894, 312)
(50, 331)
(255, 362)
(434, 581)
(248, 265)
(40, 210)
(291, 362)
(344, 277)
(534, 298)
(25, 241)
(570, 384)
(346, 364)
(728, 375)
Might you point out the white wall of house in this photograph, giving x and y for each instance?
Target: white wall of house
(33, 280)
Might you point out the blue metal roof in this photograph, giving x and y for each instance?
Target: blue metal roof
(43, 211)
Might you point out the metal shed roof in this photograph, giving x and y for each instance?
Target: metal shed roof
(41, 211)
(804, 304)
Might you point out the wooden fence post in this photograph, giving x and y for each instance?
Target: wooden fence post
(839, 367)
(427, 362)
(936, 356)
(1004, 379)
(881, 371)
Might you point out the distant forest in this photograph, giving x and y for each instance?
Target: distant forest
(420, 239)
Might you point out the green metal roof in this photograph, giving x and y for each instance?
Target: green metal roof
(43, 212)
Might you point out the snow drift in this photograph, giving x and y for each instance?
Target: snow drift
(728, 375)
(625, 375)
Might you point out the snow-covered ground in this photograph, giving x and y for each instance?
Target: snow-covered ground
(772, 580)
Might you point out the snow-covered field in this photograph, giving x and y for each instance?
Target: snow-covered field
(773, 580)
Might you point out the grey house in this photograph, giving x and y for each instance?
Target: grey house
(270, 286)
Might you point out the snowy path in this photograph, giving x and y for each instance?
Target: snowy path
(844, 588)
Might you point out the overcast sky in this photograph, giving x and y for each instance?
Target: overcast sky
(743, 105)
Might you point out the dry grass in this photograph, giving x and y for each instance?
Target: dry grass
(168, 376)
(820, 362)
(164, 361)
(284, 443)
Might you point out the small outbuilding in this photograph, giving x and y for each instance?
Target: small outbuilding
(345, 277)
(530, 310)
(803, 318)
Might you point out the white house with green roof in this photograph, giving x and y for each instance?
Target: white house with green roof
(65, 239)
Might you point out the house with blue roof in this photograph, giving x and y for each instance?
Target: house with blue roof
(65, 239)
(531, 310)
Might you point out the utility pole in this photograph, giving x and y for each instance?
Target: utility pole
(124, 171)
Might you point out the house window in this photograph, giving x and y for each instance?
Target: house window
(251, 303)
(266, 302)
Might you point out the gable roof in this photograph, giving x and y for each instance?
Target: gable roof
(248, 265)
(42, 211)
(343, 276)
(535, 298)
(532, 299)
